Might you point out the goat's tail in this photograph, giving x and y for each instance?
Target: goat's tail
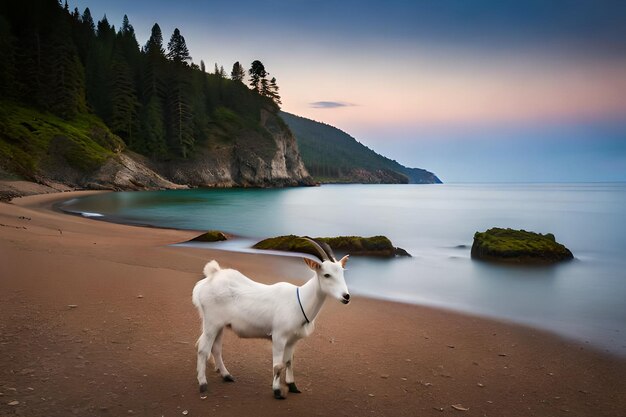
(211, 268)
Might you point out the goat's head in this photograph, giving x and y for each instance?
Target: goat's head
(329, 271)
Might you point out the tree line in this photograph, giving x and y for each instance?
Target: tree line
(154, 97)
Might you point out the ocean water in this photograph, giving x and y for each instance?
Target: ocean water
(584, 299)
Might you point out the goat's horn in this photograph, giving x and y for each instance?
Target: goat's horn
(328, 251)
(322, 253)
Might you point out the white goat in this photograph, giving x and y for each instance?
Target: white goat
(281, 312)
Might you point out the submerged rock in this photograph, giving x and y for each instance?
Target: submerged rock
(379, 246)
(210, 236)
(518, 246)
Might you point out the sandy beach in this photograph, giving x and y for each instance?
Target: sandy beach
(96, 320)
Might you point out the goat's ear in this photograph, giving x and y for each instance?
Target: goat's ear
(312, 264)
(343, 261)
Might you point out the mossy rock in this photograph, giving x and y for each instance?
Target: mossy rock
(518, 246)
(210, 236)
(354, 245)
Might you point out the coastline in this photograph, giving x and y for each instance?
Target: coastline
(91, 359)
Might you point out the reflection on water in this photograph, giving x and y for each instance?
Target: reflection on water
(583, 299)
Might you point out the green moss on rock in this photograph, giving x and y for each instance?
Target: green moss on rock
(211, 236)
(518, 246)
(354, 245)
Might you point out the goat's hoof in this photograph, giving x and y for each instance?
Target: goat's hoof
(204, 388)
(278, 395)
(228, 378)
(293, 388)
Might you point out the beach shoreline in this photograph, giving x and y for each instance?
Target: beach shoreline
(127, 347)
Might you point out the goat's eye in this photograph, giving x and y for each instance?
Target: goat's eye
(326, 275)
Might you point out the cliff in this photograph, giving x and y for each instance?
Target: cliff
(83, 153)
(265, 157)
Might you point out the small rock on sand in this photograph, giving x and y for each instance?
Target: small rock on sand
(72, 305)
(14, 403)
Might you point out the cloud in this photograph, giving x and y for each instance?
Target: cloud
(329, 104)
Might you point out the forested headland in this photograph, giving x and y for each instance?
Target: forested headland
(77, 91)
(332, 155)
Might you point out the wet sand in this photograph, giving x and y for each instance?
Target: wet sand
(96, 320)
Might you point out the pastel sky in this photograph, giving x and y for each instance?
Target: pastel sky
(481, 90)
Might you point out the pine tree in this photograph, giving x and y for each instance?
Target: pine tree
(126, 43)
(64, 89)
(126, 26)
(177, 51)
(153, 129)
(97, 69)
(202, 66)
(153, 66)
(257, 75)
(152, 125)
(238, 73)
(88, 20)
(179, 110)
(152, 81)
(68, 88)
(83, 34)
(152, 133)
(104, 30)
(180, 115)
(154, 46)
(273, 91)
(124, 103)
(216, 70)
(265, 88)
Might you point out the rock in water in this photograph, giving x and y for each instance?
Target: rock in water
(518, 246)
(210, 236)
(379, 246)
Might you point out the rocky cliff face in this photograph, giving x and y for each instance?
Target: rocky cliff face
(264, 154)
(254, 159)
(128, 171)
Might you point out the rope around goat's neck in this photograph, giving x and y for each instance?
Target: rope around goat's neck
(300, 304)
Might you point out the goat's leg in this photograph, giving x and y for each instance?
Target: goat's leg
(278, 353)
(217, 355)
(289, 379)
(205, 343)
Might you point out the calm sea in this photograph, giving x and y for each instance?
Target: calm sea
(584, 299)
